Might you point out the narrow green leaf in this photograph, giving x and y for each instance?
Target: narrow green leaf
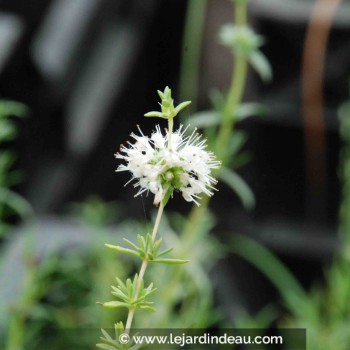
(149, 290)
(8, 130)
(122, 250)
(109, 342)
(272, 268)
(161, 94)
(156, 245)
(181, 106)
(261, 65)
(239, 186)
(148, 243)
(205, 119)
(120, 283)
(154, 114)
(141, 242)
(12, 108)
(146, 303)
(17, 203)
(167, 196)
(129, 286)
(164, 252)
(119, 294)
(170, 261)
(211, 118)
(106, 335)
(139, 300)
(130, 243)
(148, 308)
(250, 109)
(237, 141)
(115, 304)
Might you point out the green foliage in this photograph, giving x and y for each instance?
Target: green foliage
(108, 343)
(279, 275)
(168, 111)
(261, 65)
(56, 306)
(10, 202)
(148, 250)
(239, 186)
(132, 294)
(213, 118)
(58, 298)
(324, 310)
(210, 120)
(8, 129)
(94, 213)
(187, 300)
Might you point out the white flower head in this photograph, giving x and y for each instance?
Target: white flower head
(162, 164)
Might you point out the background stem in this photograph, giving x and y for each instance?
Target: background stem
(191, 51)
(233, 100)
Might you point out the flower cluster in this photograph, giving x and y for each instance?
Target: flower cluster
(162, 164)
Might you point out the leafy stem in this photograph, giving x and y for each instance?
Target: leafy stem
(232, 102)
(144, 267)
(236, 89)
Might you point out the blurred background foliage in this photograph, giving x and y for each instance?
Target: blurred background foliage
(85, 72)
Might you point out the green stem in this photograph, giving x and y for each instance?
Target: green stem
(233, 100)
(143, 268)
(170, 132)
(236, 89)
(191, 51)
(234, 97)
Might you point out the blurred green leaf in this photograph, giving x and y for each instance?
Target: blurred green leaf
(262, 320)
(239, 186)
(170, 261)
(261, 65)
(115, 304)
(16, 202)
(287, 285)
(120, 249)
(211, 118)
(205, 119)
(241, 159)
(7, 130)
(95, 212)
(12, 108)
(250, 109)
(236, 142)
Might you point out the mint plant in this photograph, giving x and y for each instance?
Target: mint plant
(163, 164)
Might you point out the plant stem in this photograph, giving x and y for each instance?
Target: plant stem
(236, 90)
(144, 267)
(154, 235)
(234, 96)
(157, 223)
(233, 100)
(170, 132)
(191, 51)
